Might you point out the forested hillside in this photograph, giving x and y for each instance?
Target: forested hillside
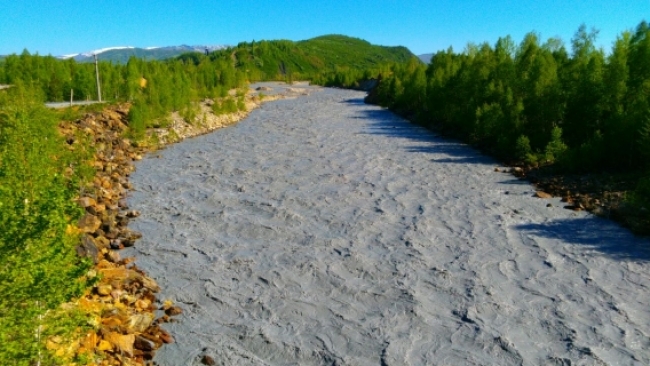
(305, 60)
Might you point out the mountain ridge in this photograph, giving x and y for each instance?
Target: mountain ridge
(121, 54)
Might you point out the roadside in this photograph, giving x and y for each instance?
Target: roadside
(59, 105)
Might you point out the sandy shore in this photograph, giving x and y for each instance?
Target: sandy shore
(322, 231)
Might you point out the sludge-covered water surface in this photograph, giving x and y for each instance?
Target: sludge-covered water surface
(323, 231)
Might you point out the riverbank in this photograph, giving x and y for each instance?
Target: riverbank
(123, 306)
(604, 194)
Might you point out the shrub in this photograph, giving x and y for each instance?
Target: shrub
(39, 268)
(522, 148)
(138, 116)
(555, 148)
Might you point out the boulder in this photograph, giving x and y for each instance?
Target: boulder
(144, 344)
(122, 342)
(89, 223)
(89, 248)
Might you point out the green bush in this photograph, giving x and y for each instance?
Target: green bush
(641, 195)
(555, 148)
(138, 117)
(39, 268)
(226, 106)
(522, 148)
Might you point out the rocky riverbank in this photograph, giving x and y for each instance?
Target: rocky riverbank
(601, 194)
(123, 306)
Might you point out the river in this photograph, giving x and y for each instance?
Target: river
(323, 231)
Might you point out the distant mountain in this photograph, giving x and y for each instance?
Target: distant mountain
(122, 54)
(426, 58)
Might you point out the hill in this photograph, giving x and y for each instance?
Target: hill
(265, 60)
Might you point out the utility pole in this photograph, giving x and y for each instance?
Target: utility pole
(99, 90)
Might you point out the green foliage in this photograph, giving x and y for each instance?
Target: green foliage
(523, 150)
(555, 147)
(38, 265)
(640, 197)
(590, 156)
(189, 114)
(226, 105)
(585, 110)
(309, 59)
(138, 117)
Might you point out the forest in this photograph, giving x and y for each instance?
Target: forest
(576, 111)
(157, 87)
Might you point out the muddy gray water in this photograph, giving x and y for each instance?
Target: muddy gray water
(322, 231)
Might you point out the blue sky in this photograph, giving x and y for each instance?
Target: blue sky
(65, 26)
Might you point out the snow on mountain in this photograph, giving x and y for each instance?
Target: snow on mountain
(122, 53)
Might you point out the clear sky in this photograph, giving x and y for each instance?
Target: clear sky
(66, 26)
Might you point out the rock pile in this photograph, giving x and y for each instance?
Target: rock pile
(123, 301)
(601, 194)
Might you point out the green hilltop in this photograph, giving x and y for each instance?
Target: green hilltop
(281, 59)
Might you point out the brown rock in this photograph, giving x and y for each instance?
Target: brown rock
(142, 304)
(144, 344)
(112, 232)
(96, 209)
(102, 242)
(150, 284)
(104, 345)
(129, 237)
(166, 337)
(86, 202)
(90, 340)
(542, 194)
(173, 311)
(112, 322)
(113, 256)
(207, 360)
(122, 342)
(89, 223)
(115, 273)
(117, 244)
(138, 323)
(104, 290)
(89, 248)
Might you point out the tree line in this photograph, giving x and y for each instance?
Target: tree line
(536, 102)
